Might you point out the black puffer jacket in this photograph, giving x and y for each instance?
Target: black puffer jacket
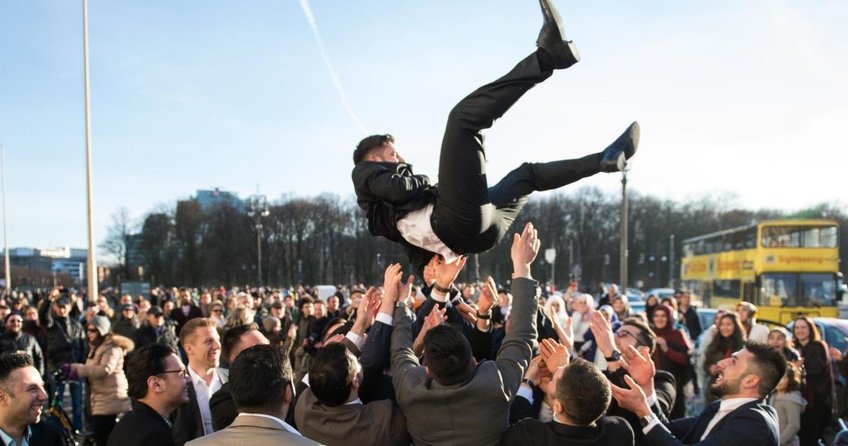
(29, 345)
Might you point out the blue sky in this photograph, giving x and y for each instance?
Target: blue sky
(744, 98)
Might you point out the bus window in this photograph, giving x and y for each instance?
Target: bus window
(779, 286)
(751, 238)
(828, 237)
(781, 236)
(818, 289)
(726, 288)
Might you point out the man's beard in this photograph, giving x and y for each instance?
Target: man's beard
(725, 388)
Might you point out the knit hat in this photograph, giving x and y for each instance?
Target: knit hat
(102, 324)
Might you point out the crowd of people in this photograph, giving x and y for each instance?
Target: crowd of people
(395, 364)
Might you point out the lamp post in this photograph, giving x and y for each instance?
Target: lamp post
(91, 267)
(257, 208)
(7, 273)
(624, 218)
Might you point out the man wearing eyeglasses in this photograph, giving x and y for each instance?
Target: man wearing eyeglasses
(634, 336)
(158, 385)
(23, 342)
(462, 214)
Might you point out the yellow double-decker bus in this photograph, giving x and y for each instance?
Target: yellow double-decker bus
(785, 267)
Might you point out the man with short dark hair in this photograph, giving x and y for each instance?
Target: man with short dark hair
(157, 385)
(22, 399)
(260, 380)
(235, 340)
(451, 399)
(577, 413)
(740, 417)
(330, 410)
(472, 217)
(157, 329)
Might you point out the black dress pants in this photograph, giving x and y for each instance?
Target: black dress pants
(469, 216)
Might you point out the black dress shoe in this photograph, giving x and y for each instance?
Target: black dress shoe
(562, 53)
(614, 157)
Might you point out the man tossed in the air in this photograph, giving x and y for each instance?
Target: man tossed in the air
(462, 214)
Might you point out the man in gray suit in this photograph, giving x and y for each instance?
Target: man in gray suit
(452, 399)
(260, 382)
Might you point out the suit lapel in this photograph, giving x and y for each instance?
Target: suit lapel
(697, 431)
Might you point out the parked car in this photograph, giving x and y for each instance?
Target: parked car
(661, 293)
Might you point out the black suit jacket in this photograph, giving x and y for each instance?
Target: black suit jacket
(376, 385)
(222, 407)
(188, 424)
(44, 433)
(141, 426)
(752, 424)
(664, 387)
(607, 431)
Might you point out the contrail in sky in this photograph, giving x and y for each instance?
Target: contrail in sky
(304, 4)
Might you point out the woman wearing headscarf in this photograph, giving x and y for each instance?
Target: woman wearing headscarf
(672, 354)
(104, 369)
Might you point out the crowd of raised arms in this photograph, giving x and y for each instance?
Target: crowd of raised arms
(395, 364)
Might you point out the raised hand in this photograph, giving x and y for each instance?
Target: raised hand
(632, 399)
(391, 280)
(602, 331)
(554, 354)
(525, 247)
(640, 367)
(487, 296)
(446, 272)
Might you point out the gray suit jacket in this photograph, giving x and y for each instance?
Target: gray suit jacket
(376, 423)
(252, 430)
(475, 412)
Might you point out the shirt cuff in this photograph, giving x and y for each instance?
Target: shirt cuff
(385, 318)
(525, 392)
(438, 296)
(655, 420)
(356, 339)
(652, 399)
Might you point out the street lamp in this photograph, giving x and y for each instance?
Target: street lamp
(623, 253)
(257, 207)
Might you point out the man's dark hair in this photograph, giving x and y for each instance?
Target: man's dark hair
(370, 143)
(770, 364)
(647, 337)
(584, 392)
(143, 363)
(12, 361)
(341, 329)
(303, 301)
(232, 337)
(331, 375)
(447, 355)
(258, 379)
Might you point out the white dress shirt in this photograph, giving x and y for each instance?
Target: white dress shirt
(415, 228)
(204, 392)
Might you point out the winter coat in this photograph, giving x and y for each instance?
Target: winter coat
(789, 407)
(104, 369)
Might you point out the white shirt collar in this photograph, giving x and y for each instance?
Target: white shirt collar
(731, 404)
(198, 380)
(282, 423)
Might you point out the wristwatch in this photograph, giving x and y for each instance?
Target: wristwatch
(487, 315)
(440, 289)
(615, 356)
(647, 419)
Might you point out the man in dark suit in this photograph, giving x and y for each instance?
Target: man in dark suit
(472, 217)
(452, 399)
(740, 417)
(260, 379)
(202, 345)
(22, 398)
(235, 340)
(659, 386)
(157, 384)
(578, 415)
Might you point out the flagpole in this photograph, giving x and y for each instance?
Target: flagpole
(91, 270)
